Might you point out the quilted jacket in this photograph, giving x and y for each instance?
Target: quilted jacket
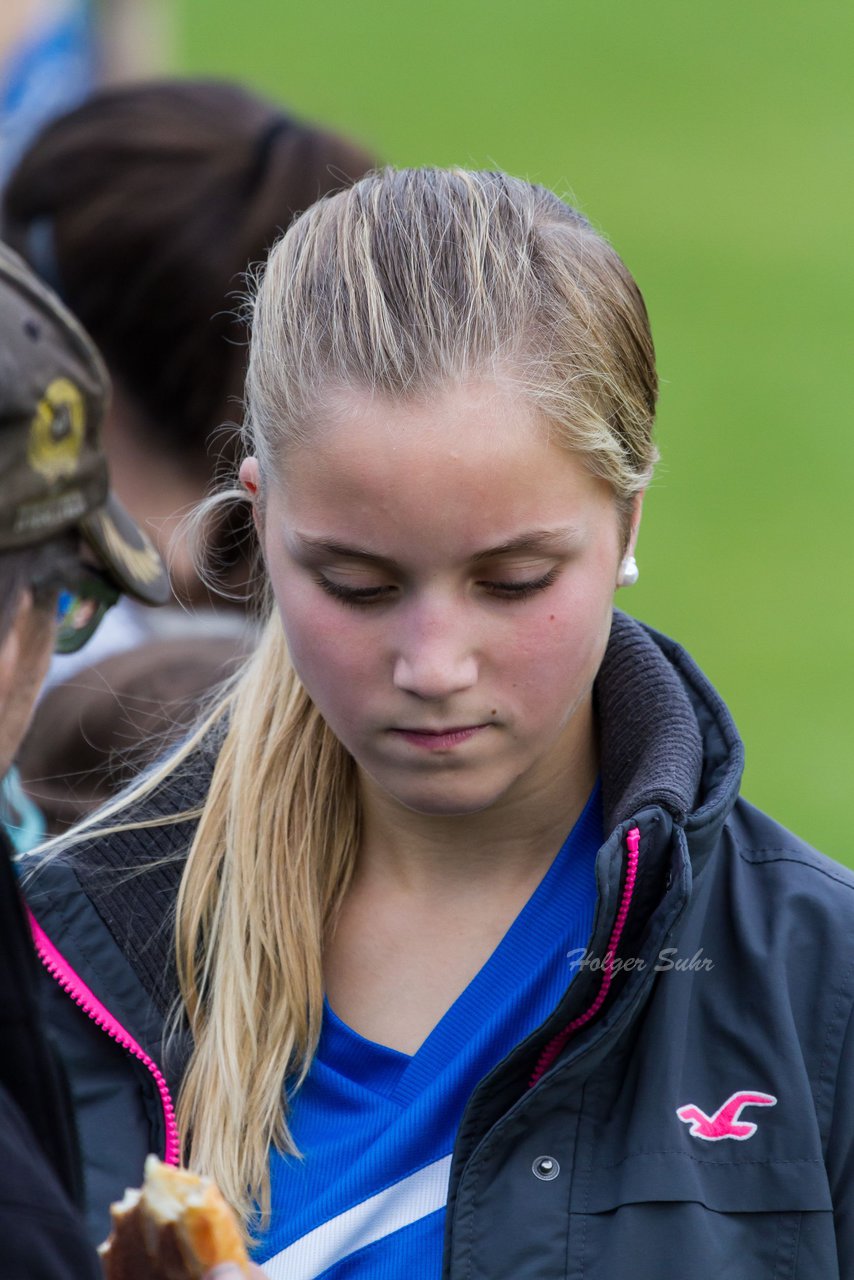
(686, 1111)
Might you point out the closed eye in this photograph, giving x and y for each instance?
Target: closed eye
(519, 590)
(362, 596)
(354, 595)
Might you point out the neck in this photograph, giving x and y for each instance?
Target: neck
(513, 842)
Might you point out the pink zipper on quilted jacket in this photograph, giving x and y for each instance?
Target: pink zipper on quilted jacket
(59, 969)
(552, 1050)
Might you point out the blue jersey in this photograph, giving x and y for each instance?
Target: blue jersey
(376, 1127)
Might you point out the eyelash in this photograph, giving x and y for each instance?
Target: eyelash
(359, 597)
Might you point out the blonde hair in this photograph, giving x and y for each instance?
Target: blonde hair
(402, 284)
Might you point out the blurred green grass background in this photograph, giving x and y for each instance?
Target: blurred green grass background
(712, 144)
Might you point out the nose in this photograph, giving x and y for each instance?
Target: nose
(435, 658)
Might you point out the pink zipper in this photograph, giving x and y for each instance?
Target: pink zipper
(59, 969)
(556, 1044)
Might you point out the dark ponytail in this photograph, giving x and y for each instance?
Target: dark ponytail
(145, 206)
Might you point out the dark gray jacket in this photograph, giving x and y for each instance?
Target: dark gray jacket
(41, 1228)
(692, 1107)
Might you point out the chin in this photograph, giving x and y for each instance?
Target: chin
(446, 800)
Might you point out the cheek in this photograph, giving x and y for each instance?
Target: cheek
(328, 647)
(40, 642)
(565, 634)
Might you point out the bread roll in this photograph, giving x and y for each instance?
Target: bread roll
(176, 1227)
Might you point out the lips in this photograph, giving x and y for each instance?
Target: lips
(440, 739)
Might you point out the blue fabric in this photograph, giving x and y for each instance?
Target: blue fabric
(23, 820)
(48, 71)
(369, 1117)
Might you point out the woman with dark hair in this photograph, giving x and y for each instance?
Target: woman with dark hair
(144, 208)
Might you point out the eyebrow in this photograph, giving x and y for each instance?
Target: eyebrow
(557, 540)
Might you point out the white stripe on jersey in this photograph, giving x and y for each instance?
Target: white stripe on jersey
(397, 1206)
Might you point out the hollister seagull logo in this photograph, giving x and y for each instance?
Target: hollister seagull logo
(725, 1122)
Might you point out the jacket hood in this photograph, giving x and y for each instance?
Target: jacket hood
(667, 739)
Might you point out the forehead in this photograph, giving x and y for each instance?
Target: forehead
(463, 416)
(470, 466)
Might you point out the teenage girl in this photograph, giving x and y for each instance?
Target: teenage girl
(475, 962)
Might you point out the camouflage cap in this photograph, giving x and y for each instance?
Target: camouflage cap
(53, 472)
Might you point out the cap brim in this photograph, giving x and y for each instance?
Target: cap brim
(126, 553)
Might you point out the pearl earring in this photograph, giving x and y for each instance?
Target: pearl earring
(629, 572)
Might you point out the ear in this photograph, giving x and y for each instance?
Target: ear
(627, 570)
(250, 478)
(634, 528)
